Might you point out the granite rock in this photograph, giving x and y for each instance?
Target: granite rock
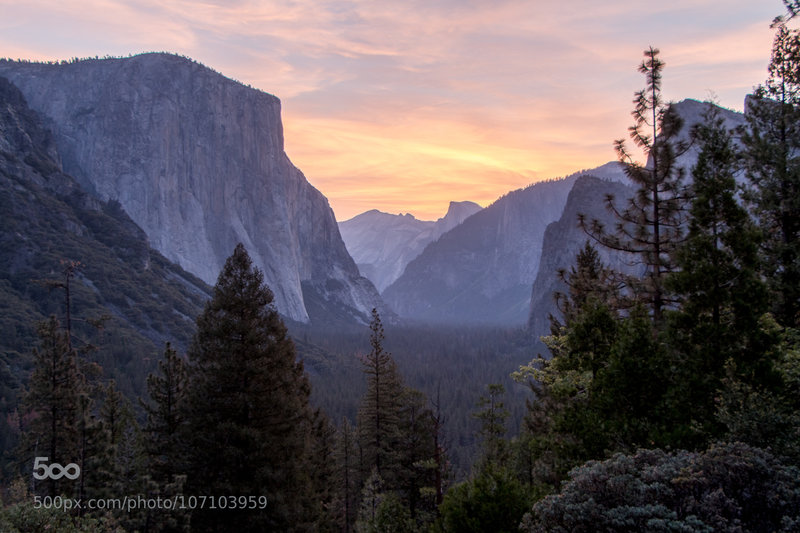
(197, 160)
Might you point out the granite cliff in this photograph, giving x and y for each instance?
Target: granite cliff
(482, 270)
(564, 238)
(49, 220)
(197, 161)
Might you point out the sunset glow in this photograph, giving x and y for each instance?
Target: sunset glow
(404, 106)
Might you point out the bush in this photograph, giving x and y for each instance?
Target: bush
(729, 487)
(494, 500)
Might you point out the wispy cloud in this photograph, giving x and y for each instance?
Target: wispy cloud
(402, 105)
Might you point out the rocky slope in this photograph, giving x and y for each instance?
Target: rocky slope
(197, 161)
(563, 238)
(47, 219)
(383, 244)
(482, 270)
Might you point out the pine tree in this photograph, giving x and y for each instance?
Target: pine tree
(116, 413)
(391, 516)
(323, 469)
(604, 389)
(415, 452)
(587, 280)
(493, 415)
(122, 452)
(628, 395)
(109, 423)
(493, 499)
(54, 394)
(372, 494)
(561, 429)
(396, 431)
(650, 227)
(93, 452)
(721, 294)
(439, 461)
(772, 144)
(165, 424)
(379, 414)
(165, 439)
(247, 406)
(349, 479)
(59, 397)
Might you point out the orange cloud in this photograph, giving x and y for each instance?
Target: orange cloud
(403, 106)
(420, 165)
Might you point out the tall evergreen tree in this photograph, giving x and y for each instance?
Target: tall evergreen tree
(493, 414)
(165, 423)
(439, 462)
(53, 397)
(247, 405)
(561, 426)
(114, 417)
(379, 414)
(493, 499)
(372, 494)
(772, 144)
(628, 396)
(588, 279)
(322, 469)
(93, 452)
(349, 478)
(718, 284)
(122, 452)
(396, 436)
(415, 452)
(650, 227)
(165, 437)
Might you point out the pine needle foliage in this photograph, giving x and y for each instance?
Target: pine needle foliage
(54, 393)
(379, 414)
(772, 143)
(247, 406)
(649, 228)
(718, 284)
(165, 423)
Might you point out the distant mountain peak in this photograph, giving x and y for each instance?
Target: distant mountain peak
(382, 244)
(459, 208)
(481, 270)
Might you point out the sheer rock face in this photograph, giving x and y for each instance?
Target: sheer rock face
(457, 212)
(48, 218)
(383, 244)
(197, 160)
(564, 238)
(481, 271)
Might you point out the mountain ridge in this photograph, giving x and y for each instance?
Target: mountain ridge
(198, 162)
(49, 220)
(564, 238)
(382, 244)
(481, 272)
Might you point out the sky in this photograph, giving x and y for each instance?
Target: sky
(403, 106)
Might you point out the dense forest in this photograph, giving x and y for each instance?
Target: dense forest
(667, 401)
